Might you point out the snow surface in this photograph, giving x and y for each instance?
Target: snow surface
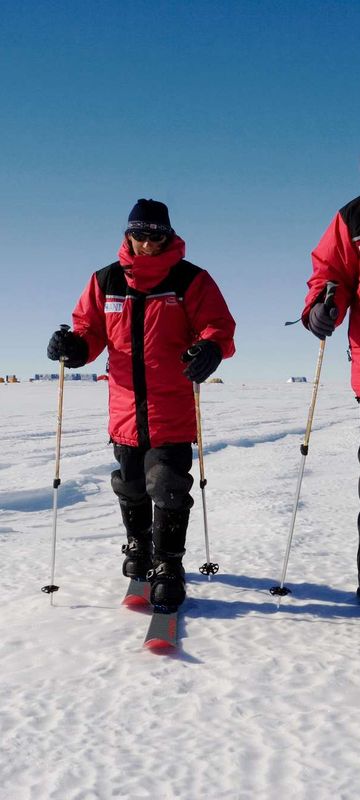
(258, 702)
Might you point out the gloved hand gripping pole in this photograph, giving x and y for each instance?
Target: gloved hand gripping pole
(282, 590)
(51, 588)
(209, 568)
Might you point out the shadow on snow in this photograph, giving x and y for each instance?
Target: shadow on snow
(327, 602)
(70, 492)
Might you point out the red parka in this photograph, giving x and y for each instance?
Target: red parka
(147, 310)
(337, 258)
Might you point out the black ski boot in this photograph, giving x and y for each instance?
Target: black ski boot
(167, 578)
(167, 581)
(138, 550)
(138, 561)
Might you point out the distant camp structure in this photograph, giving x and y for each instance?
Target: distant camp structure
(300, 379)
(215, 380)
(71, 376)
(9, 379)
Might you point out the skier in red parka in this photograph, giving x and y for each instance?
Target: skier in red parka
(337, 258)
(165, 324)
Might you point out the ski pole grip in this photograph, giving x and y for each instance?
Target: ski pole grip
(64, 327)
(329, 301)
(190, 353)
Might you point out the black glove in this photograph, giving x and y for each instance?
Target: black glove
(204, 357)
(322, 320)
(70, 346)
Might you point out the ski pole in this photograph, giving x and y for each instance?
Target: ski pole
(282, 590)
(209, 568)
(56, 483)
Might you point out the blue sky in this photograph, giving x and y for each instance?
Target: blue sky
(242, 116)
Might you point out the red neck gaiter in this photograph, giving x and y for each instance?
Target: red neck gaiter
(145, 272)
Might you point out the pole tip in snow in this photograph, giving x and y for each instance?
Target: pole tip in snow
(50, 589)
(279, 591)
(209, 569)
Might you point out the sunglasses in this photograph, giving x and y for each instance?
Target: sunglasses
(141, 236)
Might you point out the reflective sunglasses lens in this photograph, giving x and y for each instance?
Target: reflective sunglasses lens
(140, 236)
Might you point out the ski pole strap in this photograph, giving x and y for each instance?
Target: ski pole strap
(292, 322)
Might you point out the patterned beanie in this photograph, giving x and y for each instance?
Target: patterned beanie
(149, 215)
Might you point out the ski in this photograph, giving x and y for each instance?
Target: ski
(162, 631)
(137, 595)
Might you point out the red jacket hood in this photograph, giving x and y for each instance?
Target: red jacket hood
(145, 272)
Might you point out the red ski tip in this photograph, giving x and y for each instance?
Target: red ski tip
(135, 601)
(159, 644)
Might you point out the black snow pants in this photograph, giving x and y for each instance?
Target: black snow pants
(158, 475)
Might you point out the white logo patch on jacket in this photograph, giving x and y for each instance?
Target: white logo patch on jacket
(113, 303)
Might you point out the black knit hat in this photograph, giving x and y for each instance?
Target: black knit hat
(149, 215)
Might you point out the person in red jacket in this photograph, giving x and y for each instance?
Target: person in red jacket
(337, 258)
(165, 324)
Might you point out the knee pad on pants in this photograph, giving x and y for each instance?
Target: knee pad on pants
(128, 492)
(167, 488)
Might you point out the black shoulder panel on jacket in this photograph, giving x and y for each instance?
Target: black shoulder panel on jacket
(351, 216)
(111, 279)
(179, 278)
